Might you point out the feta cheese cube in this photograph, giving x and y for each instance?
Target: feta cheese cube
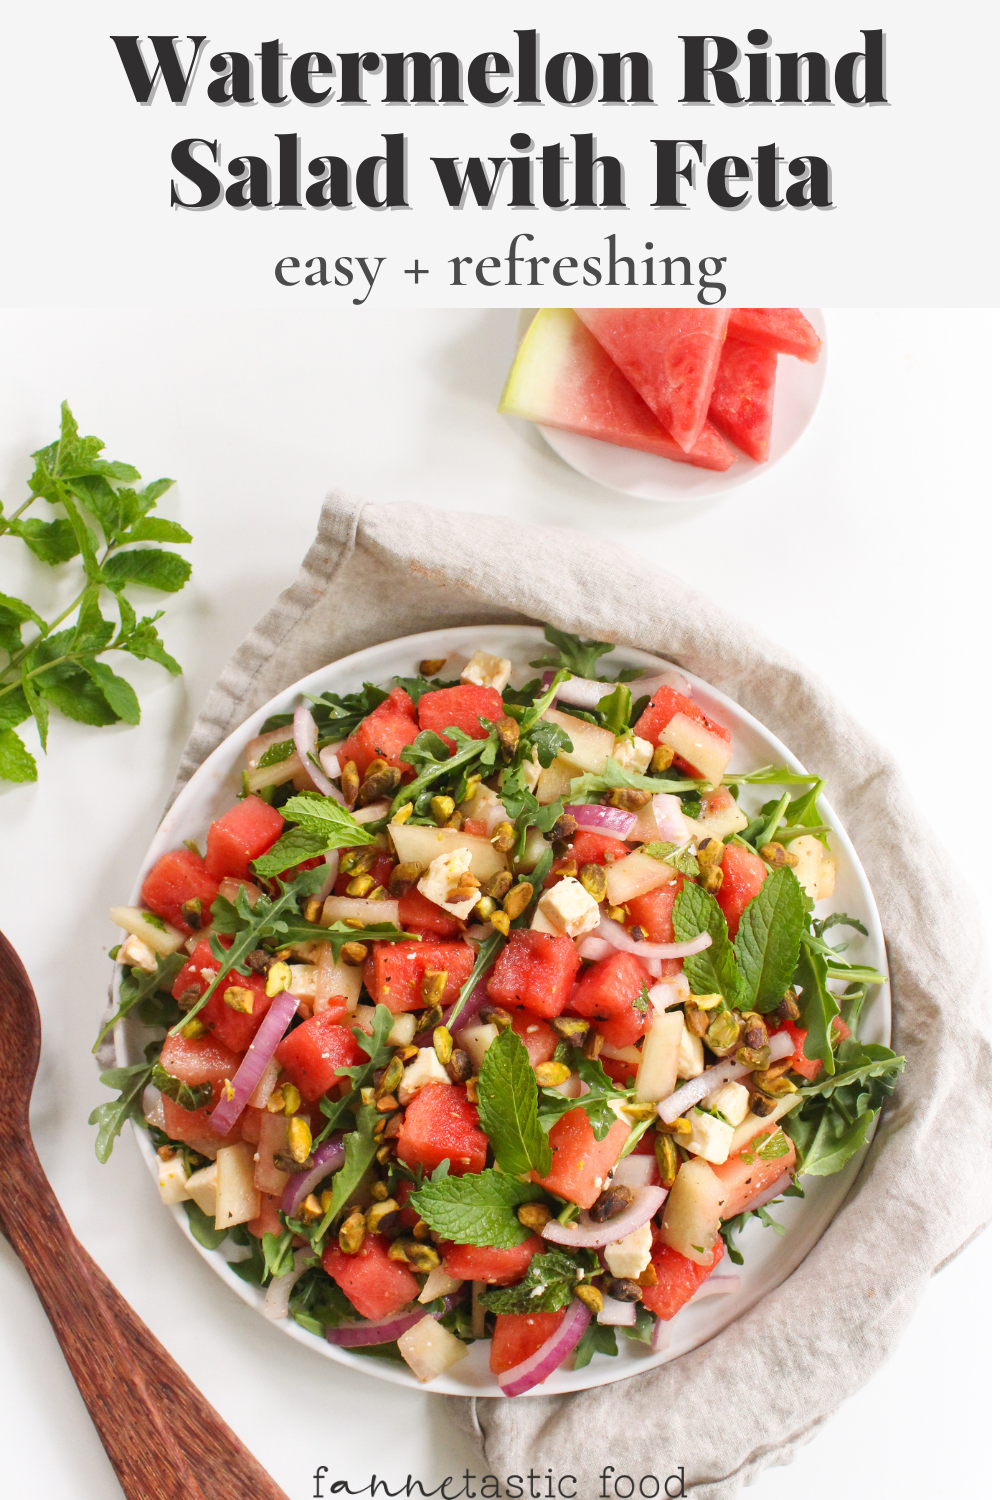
(485, 670)
(173, 1180)
(691, 1059)
(731, 1102)
(571, 909)
(634, 754)
(710, 1138)
(541, 923)
(423, 1070)
(138, 955)
(630, 1257)
(442, 875)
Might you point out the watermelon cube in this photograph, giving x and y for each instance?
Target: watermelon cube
(384, 733)
(623, 1030)
(743, 1181)
(536, 1034)
(242, 834)
(463, 707)
(178, 877)
(743, 876)
(657, 715)
(743, 396)
(440, 1124)
(653, 912)
(312, 1053)
(518, 1336)
(579, 1162)
(563, 378)
(536, 970)
(199, 1060)
(609, 988)
(669, 354)
(786, 330)
(484, 1263)
(394, 971)
(417, 914)
(677, 1279)
(371, 1282)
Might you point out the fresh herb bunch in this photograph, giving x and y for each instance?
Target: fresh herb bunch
(102, 517)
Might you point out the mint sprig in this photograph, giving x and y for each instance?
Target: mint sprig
(322, 825)
(476, 1209)
(766, 949)
(508, 1108)
(103, 517)
(714, 970)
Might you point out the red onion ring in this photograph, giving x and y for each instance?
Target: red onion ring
(495, 815)
(769, 1193)
(615, 934)
(258, 1055)
(306, 738)
(333, 860)
(669, 818)
(586, 1235)
(539, 1366)
(716, 1286)
(653, 967)
(280, 1287)
(615, 1314)
(593, 948)
(385, 1330)
(614, 820)
(727, 1071)
(327, 1158)
(660, 1339)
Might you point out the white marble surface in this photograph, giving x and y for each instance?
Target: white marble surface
(865, 552)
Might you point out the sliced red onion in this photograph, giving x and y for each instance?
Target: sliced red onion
(614, 820)
(586, 1235)
(690, 1093)
(672, 991)
(280, 1287)
(660, 1339)
(652, 685)
(669, 818)
(593, 948)
(496, 814)
(259, 1054)
(330, 760)
(333, 860)
(539, 1366)
(327, 1158)
(615, 934)
(717, 1286)
(635, 1171)
(478, 933)
(770, 1193)
(372, 812)
(653, 967)
(615, 1314)
(306, 737)
(385, 1330)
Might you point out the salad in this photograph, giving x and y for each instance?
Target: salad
(488, 1012)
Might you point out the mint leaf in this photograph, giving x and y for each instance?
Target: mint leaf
(16, 761)
(679, 856)
(144, 644)
(767, 942)
(148, 566)
(52, 542)
(596, 1103)
(157, 529)
(547, 1286)
(476, 1209)
(14, 615)
(118, 694)
(187, 1096)
(323, 825)
(508, 1107)
(713, 971)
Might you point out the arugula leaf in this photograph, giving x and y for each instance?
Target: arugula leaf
(679, 856)
(802, 813)
(188, 1096)
(839, 919)
(359, 1153)
(593, 784)
(508, 1107)
(138, 988)
(110, 1117)
(547, 1286)
(859, 1063)
(477, 1209)
(579, 657)
(429, 753)
(252, 1267)
(278, 1253)
(202, 1227)
(378, 1053)
(596, 1103)
(825, 1142)
(642, 1328)
(713, 971)
(251, 926)
(767, 941)
(597, 1339)
(817, 1005)
(614, 711)
(339, 716)
(488, 950)
(833, 1121)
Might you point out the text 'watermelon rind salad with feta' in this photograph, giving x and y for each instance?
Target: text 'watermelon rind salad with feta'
(488, 1013)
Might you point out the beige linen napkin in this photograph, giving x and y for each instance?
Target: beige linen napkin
(754, 1393)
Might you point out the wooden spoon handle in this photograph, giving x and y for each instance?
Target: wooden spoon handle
(129, 1417)
(227, 1469)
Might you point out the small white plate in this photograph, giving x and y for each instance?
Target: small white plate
(769, 1257)
(648, 477)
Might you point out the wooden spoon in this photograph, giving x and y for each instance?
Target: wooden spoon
(163, 1438)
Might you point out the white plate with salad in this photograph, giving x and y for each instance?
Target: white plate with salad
(525, 1060)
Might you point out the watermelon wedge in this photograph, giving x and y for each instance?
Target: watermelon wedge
(784, 329)
(743, 396)
(669, 354)
(563, 378)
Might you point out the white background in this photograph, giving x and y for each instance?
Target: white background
(865, 553)
(87, 169)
